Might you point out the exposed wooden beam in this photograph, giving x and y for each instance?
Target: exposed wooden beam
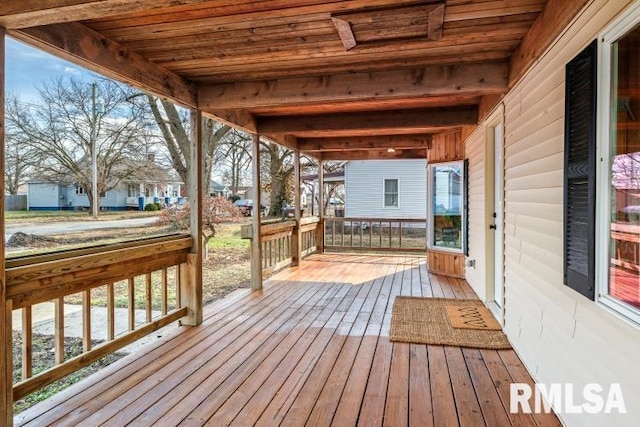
(551, 22)
(449, 80)
(239, 119)
(31, 13)
(309, 145)
(285, 140)
(374, 155)
(83, 46)
(413, 121)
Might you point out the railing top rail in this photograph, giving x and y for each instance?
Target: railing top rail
(89, 250)
(352, 219)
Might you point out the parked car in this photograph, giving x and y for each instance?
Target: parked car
(246, 207)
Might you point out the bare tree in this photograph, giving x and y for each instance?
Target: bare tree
(174, 125)
(61, 126)
(19, 160)
(234, 154)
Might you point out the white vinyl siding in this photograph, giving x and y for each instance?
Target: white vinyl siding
(561, 336)
(477, 232)
(43, 195)
(365, 192)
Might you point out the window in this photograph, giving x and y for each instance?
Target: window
(446, 191)
(80, 190)
(391, 193)
(619, 172)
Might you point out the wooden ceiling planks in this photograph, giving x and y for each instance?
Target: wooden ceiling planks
(258, 45)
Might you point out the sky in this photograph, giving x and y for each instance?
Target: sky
(27, 68)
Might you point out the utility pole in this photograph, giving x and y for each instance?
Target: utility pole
(94, 154)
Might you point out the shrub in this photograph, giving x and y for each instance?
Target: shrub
(151, 207)
(158, 205)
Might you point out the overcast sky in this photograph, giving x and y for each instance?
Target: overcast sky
(28, 68)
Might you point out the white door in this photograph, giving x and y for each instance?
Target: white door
(497, 226)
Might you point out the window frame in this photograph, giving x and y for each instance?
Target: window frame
(384, 193)
(430, 208)
(617, 29)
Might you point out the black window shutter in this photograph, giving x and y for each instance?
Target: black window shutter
(579, 172)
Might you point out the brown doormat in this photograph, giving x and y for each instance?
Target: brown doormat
(472, 317)
(425, 321)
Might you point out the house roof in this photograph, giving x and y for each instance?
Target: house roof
(216, 187)
(338, 80)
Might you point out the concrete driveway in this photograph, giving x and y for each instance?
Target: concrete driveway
(74, 226)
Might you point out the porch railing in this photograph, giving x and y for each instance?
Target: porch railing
(146, 273)
(375, 234)
(279, 241)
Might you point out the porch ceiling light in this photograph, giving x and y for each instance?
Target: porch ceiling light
(391, 150)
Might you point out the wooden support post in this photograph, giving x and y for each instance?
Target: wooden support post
(296, 239)
(320, 229)
(191, 280)
(256, 243)
(6, 339)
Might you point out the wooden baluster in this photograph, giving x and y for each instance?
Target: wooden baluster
(111, 312)
(380, 232)
(178, 286)
(27, 343)
(149, 298)
(59, 330)
(333, 233)
(370, 234)
(390, 234)
(132, 303)
(361, 233)
(165, 298)
(86, 320)
(399, 234)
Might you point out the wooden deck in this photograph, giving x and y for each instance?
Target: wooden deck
(312, 348)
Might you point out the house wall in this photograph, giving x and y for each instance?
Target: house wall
(364, 180)
(475, 152)
(561, 336)
(116, 199)
(43, 196)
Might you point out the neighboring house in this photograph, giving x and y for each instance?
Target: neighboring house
(386, 189)
(217, 189)
(150, 183)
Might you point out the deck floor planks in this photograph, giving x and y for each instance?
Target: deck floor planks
(173, 380)
(311, 348)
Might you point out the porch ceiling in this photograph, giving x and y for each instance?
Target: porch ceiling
(332, 70)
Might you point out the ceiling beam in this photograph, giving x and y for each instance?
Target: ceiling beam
(288, 141)
(238, 119)
(87, 48)
(413, 121)
(310, 145)
(438, 80)
(374, 155)
(552, 21)
(31, 13)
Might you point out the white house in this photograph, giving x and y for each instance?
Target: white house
(386, 189)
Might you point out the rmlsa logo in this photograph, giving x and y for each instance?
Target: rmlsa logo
(592, 399)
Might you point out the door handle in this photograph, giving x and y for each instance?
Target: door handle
(493, 227)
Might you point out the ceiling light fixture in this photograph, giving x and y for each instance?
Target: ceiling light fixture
(391, 150)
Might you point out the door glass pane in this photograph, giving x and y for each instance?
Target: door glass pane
(624, 247)
(447, 206)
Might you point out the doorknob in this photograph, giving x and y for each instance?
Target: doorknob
(493, 227)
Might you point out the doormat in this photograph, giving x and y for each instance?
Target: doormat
(425, 321)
